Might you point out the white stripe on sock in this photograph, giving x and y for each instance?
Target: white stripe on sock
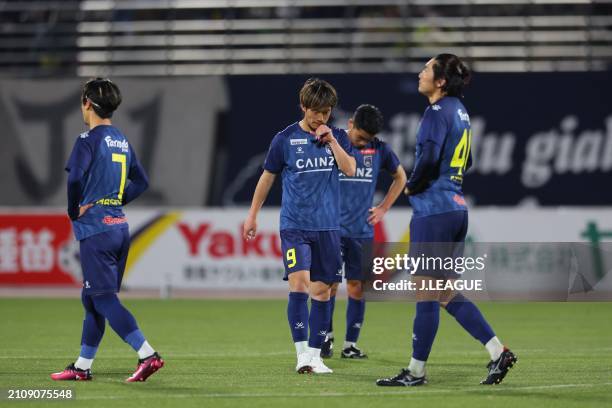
(416, 367)
(495, 348)
(348, 344)
(314, 352)
(301, 347)
(84, 363)
(145, 350)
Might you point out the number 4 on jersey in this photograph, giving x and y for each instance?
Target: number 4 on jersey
(461, 154)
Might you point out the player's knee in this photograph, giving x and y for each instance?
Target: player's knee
(355, 289)
(87, 302)
(298, 281)
(320, 291)
(298, 286)
(104, 302)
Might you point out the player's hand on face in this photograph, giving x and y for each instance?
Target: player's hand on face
(324, 134)
(376, 215)
(249, 229)
(83, 209)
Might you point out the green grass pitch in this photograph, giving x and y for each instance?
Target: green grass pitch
(239, 353)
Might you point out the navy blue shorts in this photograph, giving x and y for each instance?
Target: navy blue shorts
(314, 251)
(103, 258)
(356, 251)
(440, 235)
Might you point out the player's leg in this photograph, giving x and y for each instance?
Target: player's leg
(425, 232)
(93, 331)
(327, 348)
(355, 312)
(296, 259)
(353, 255)
(325, 270)
(112, 249)
(297, 316)
(319, 322)
(471, 319)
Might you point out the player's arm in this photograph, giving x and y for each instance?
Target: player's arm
(273, 164)
(139, 181)
(346, 163)
(430, 138)
(266, 180)
(77, 166)
(395, 189)
(424, 168)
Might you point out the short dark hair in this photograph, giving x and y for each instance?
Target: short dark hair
(368, 118)
(318, 94)
(104, 96)
(454, 71)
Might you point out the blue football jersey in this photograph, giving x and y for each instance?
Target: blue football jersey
(357, 193)
(447, 124)
(106, 157)
(310, 178)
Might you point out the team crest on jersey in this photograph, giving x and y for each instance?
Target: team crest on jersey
(299, 142)
(84, 135)
(367, 161)
(328, 149)
(436, 107)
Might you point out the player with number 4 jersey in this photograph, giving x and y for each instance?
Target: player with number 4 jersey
(439, 223)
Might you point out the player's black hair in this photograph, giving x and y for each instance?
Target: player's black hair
(104, 96)
(368, 118)
(454, 71)
(318, 94)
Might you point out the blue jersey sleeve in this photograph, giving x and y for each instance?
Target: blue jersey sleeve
(81, 156)
(275, 159)
(343, 140)
(430, 138)
(78, 163)
(433, 127)
(389, 159)
(139, 181)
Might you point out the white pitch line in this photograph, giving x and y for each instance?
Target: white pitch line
(413, 393)
(166, 355)
(53, 354)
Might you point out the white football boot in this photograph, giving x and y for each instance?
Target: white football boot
(318, 367)
(304, 365)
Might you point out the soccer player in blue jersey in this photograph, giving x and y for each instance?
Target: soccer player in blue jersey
(309, 156)
(358, 217)
(100, 165)
(440, 219)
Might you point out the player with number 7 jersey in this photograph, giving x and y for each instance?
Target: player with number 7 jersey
(100, 165)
